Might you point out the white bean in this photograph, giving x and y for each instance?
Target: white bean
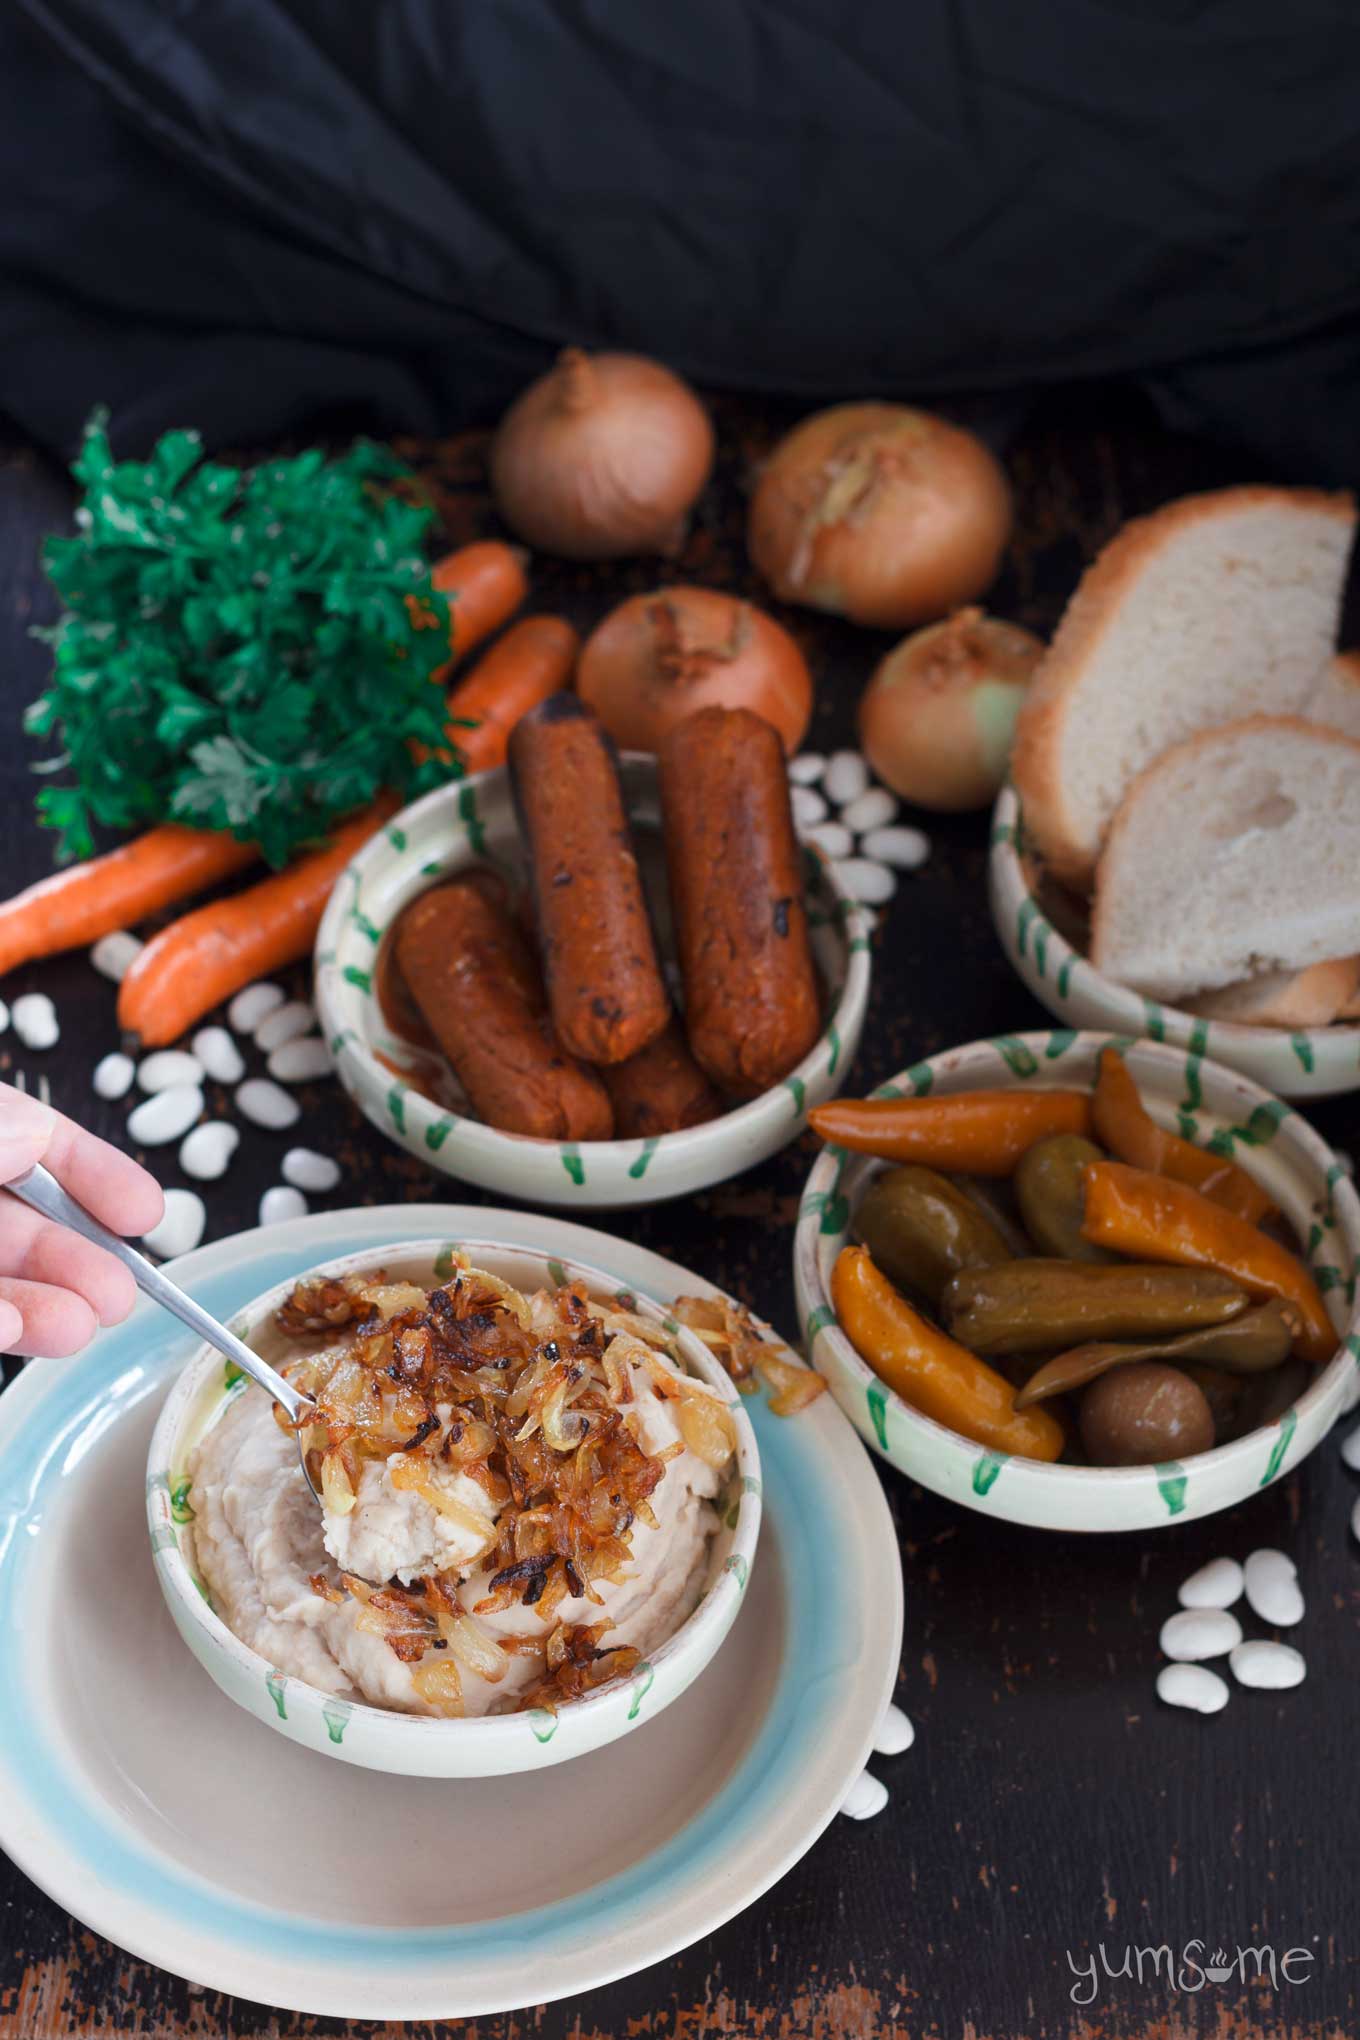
(1272, 1666)
(181, 1229)
(307, 1170)
(808, 806)
(1199, 1633)
(846, 777)
(866, 881)
(831, 838)
(35, 1021)
(301, 1062)
(165, 1115)
(905, 849)
(265, 1104)
(1272, 1582)
(806, 767)
(206, 1150)
(1216, 1585)
(113, 1075)
(896, 1732)
(114, 955)
(166, 1067)
(249, 1006)
(284, 1023)
(221, 1058)
(280, 1203)
(1193, 1686)
(1350, 1449)
(4, 1016)
(873, 809)
(866, 1797)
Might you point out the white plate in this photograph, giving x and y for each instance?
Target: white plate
(145, 1803)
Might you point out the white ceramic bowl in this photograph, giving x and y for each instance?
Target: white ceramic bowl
(473, 823)
(1309, 1062)
(420, 1746)
(1203, 1102)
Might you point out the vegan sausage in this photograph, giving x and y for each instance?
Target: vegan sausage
(660, 1089)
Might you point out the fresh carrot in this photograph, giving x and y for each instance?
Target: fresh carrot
(78, 905)
(1124, 1125)
(485, 584)
(194, 964)
(1155, 1219)
(981, 1133)
(533, 660)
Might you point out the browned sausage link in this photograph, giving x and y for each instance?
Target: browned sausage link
(751, 1006)
(473, 976)
(599, 956)
(660, 1089)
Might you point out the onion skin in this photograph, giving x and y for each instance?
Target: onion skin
(659, 657)
(886, 515)
(937, 718)
(603, 457)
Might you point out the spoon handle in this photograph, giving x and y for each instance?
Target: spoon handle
(40, 1189)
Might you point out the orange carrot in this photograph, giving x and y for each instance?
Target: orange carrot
(533, 660)
(485, 584)
(194, 964)
(78, 905)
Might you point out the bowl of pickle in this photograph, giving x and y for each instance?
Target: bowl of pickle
(1080, 1282)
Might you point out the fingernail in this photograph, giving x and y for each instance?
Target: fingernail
(25, 1129)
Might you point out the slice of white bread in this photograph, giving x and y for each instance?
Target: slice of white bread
(1236, 853)
(1285, 998)
(1213, 608)
(1335, 700)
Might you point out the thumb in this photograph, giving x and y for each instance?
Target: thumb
(25, 1130)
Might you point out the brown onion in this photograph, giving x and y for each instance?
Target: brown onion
(602, 457)
(936, 720)
(657, 658)
(880, 513)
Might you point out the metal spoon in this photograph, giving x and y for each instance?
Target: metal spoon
(40, 1189)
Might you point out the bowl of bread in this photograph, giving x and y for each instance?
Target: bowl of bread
(1175, 853)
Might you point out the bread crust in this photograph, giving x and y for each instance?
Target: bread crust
(1106, 582)
(1313, 997)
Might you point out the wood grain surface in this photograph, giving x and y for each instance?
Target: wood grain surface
(1051, 1807)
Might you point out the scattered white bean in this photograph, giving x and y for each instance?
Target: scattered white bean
(181, 1229)
(1193, 1686)
(221, 1058)
(113, 1075)
(280, 1203)
(206, 1150)
(832, 838)
(1350, 1449)
(265, 1104)
(905, 849)
(808, 806)
(284, 1023)
(168, 1066)
(806, 767)
(114, 955)
(1216, 1585)
(846, 777)
(165, 1115)
(866, 1797)
(896, 1732)
(4, 1016)
(249, 1007)
(1272, 1582)
(300, 1062)
(873, 809)
(35, 1021)
(1198, 1633)
(1270, 1665)
(866, 881)
(305, 1169)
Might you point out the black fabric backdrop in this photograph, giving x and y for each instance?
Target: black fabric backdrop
(240, 213)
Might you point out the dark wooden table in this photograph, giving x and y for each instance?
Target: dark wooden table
(1051, 1807)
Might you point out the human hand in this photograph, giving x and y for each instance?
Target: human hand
(56, 1289)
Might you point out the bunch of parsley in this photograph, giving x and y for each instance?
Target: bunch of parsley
(241, 649)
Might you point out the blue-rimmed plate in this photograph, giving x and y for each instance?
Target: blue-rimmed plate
(158, 1813)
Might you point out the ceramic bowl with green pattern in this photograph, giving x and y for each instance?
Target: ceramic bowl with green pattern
(415, 1099)
(1305, 1062)
(416, 1745)
(1215, 1107)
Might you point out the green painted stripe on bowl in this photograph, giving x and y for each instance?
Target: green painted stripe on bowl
(181, 1508)
(276, 1683)
(1019, 1059)
(354, 976)
(1002, 832)
(736, 1564)
(638, 1169)
(1171, 1482)
(834, 1044)
(558, 1273)
(364, 925)
(336, 1714)
(437, 1133)
(1303, 1049)
(1154, 1020)
(1065, 977)
(433, 868)
(1059, 1041)
(877, 1398)
(163, 1538)
(1042, 931)
(797, 1090)
(231, 1373)
(1275, 1463)
(396, 1106)
(819, 1319)
(987, 1471)
(324, 957)
(543, 1722)
(471, 820)
(396, 837)
(921, 1077)
(890, 1091)
(1029, 912)
(859, 945)
(641, 1688)
(570, 1157)
(750, 1484)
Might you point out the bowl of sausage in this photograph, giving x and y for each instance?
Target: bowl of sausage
(587, 979)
